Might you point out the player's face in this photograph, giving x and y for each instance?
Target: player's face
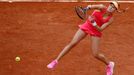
(111, 8)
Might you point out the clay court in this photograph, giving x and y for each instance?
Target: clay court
(37, 32)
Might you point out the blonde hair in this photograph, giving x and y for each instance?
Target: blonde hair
(115, 4)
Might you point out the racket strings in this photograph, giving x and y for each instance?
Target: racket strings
(81, 12)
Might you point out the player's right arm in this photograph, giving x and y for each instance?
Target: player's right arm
(97, 6)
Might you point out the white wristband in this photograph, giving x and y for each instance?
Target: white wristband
(94, 23)
(89, 6)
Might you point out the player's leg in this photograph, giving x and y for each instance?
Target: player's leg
(80, 34)
(95, 41)
(97, 54)
(76, 39)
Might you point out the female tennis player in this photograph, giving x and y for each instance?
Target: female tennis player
(101, 18)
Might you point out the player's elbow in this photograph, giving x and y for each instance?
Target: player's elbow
(100, 29)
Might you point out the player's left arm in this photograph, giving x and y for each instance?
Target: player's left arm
(104, 25)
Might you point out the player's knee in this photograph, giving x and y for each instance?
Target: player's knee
(96, 55)
(73, 43)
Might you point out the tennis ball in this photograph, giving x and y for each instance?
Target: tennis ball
(17, 59)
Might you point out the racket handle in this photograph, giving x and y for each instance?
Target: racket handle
(85, 9)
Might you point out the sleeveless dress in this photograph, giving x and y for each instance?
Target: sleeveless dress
(97, 16)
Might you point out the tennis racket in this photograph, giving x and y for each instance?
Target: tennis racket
(81, 12)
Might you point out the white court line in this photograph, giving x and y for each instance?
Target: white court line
(67, 1)
(111, 1)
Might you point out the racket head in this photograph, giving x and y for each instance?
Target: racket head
(82, 14)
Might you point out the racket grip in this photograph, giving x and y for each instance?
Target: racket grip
(85, 9)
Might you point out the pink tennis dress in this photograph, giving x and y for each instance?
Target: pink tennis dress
(97, 16)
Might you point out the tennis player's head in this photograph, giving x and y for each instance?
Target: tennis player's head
(113, 6)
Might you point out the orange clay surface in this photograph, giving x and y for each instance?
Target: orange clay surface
(37, 32)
